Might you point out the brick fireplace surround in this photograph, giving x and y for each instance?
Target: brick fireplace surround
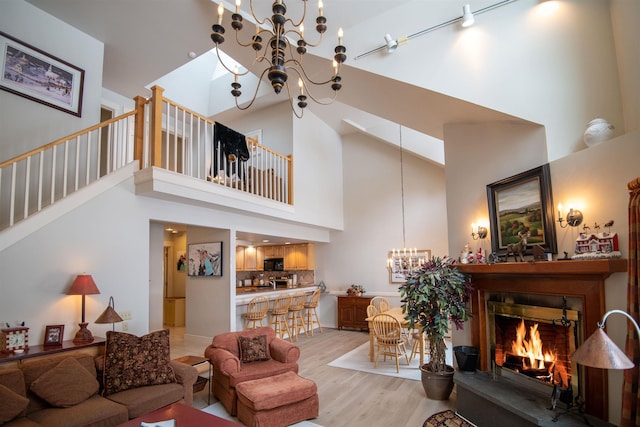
(584, 279)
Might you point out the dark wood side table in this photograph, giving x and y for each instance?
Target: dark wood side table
(195, 361)
(41, 350)
(352, 312)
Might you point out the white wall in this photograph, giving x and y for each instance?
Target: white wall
(373, 217)
(28, 124)
(552, 63)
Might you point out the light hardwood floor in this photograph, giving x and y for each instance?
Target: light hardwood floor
(347, 397)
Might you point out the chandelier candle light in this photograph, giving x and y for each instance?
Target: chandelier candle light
(282, 60)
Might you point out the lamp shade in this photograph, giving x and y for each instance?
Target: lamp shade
(109, 315)
(598, 351)
(83, 285)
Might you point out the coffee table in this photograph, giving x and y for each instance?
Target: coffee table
(185, 416)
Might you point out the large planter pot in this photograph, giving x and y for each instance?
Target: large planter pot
(437, 385)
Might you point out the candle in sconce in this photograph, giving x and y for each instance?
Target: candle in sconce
(559, 210)
(320, 6)
(238, 6)
(340, 35)
(220, 13)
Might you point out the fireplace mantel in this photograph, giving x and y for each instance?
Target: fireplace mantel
(584, 279)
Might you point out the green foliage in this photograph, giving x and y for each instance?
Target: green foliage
(432, 296)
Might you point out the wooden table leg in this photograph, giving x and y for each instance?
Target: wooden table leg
(371, 339)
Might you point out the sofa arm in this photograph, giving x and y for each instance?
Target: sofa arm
(185, 375)
(283, 351)
(223, 360)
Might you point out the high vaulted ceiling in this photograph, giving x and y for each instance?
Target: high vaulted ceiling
(148, 39)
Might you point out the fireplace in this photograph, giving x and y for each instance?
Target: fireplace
(535, 284)
(536, 342)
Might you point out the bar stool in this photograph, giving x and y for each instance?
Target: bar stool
(311, 313)
(295, 314)
(279, 314)
(256, 311)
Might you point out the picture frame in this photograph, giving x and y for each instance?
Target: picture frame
(205, 259)
(395, 261)
(39, 76)
(522, 203)
(53, 335)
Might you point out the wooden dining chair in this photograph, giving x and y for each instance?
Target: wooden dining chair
(296, 316)
(416, 336)
(388, 334)
(380, 303)
(371, 311)
(279, 314)
(256, 311)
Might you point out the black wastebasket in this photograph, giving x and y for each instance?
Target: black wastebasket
(467, 357)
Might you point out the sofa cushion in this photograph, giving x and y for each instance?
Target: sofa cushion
(96, 411)
(69, 376)
(142, 400)
(253, 349)
(13, 404)
(132, 361)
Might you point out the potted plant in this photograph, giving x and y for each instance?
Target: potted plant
(432, 296)
(356, 290)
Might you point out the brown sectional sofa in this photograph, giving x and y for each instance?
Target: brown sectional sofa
(79, 403)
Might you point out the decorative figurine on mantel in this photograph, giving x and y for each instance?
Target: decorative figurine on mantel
(597, 245)
(466, 255)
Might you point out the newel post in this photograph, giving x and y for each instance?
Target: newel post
(138, 142)
(290, 178)
(156, 126)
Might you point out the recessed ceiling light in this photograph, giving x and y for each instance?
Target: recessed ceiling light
(192, 55)
(265, 240)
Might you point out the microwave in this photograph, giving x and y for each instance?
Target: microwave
(274, 264)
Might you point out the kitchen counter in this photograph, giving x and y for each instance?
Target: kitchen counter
(246, 293)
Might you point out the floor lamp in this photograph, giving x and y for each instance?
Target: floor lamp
(598, 351)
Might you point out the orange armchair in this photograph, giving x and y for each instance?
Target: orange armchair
(229, 370)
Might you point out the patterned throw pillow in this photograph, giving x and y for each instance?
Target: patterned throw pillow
(253, 349)
(12, 404)
(68, 384)
(131, 361)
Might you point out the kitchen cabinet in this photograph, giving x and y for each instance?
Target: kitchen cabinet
(299, 257)
(250, 259)
(239, 258)
(352, 312)
(273, 251)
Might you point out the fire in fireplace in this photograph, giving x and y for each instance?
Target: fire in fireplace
(536, 342)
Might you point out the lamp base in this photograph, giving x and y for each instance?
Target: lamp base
(84, 335)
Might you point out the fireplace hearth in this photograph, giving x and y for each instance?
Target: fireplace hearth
(581, 282)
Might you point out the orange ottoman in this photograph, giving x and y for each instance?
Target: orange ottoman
(277, 401)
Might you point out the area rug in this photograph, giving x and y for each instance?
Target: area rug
(446, 418)
(218, 410)
(358, 360)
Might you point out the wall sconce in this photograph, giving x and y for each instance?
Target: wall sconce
(574, 217)
(478, 232)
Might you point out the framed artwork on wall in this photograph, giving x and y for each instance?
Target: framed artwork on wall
(519, 204)
(34, 74)
(205, 259)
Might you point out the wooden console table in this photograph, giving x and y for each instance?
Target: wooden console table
(41, 350)
(352, 312)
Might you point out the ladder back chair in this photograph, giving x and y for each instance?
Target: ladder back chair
(279, 314)
(296, 316)
(311, 317)
(256, 311)
(388, 333)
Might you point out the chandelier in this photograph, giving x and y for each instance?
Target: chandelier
(278, 53)
(402, 262)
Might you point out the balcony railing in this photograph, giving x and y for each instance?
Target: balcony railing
(157, 133)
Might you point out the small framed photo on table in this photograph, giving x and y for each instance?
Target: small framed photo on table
(53, 335)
